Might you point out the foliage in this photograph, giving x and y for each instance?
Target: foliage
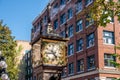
(102, 10)
(8, 48)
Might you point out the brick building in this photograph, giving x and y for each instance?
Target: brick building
(90, 48)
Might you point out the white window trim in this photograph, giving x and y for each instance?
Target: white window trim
(90, 24)
(69, 18)
(70, 36)
(89, 3)
(71, 55)
(91, 46)
(68, 1)
(108, 44)
(62, 24)
(79, 11)
(90, 69)
(79, 51)
(109, 67)
(71, 74)
(80, 71)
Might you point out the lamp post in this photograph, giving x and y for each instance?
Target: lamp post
(3, 67)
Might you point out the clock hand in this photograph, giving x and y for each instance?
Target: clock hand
(54, 53)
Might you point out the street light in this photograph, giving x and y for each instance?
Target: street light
(3, 67)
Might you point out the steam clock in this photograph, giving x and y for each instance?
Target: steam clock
(48, 55)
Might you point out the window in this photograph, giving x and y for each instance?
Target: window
(80, 65)
(88, 20)
(79, 6)
(90, 40)
(34, 29)
(45, 19)
(79, 44)
(28, 63)
(68, 0)
(107, 60)
(56, 24)
(70, 31)
(34, 78)
(55, 6)
(91, 62)
(62, 34)
(87, 2)
(63, 18)
(108, 37)
(70, 13)
(70, 49)
(62, 2)
(79, 26)
(71, 68)
(63, 73)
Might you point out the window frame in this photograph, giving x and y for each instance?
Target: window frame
(63, 18)
(79, 25)
(55, 24)
(70, 30)
(88, 2)
(79, 6)
(80, 65)
(70, 13)
(79, 44)
(90, 40)
(89, 59)
(106, 38)
(70, 49)
(71, 68)
(112, 58)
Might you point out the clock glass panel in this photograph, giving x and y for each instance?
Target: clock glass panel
(54, 52)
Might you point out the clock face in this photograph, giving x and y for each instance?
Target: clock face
(53, 53)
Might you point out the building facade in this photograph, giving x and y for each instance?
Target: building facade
(24, 47)
(90, 48)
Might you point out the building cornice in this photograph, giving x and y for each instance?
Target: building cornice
(98, 71)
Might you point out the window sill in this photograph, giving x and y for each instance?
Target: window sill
(108, 67)
(91, 69)
(78, 12)
(55, 29)
(70, 55)
(70, 36)
(71, 74)
(90, 24)
(79, 31)
(80, 72)
(89, 4)
(62, 24)
(79, 51)
(68, 1)
(90, 46)
(63, 76)
(108, 44)
(69, 18)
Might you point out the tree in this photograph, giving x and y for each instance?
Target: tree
(102, 11)
(8, 48)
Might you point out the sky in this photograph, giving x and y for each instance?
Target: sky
(18, 15)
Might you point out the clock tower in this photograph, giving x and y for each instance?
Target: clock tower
(49, 55)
